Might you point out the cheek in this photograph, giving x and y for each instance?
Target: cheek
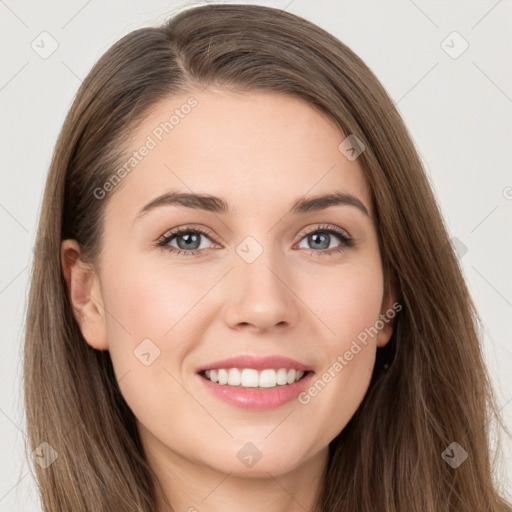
(148, 301)
(151, 326)
(144, 305)
(347, 301)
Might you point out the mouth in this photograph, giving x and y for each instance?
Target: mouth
(255, 383)
(253, 378)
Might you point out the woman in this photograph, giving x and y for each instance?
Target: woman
(189, 347)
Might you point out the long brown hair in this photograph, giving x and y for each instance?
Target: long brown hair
(429, 387)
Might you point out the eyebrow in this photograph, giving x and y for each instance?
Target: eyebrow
(218, 205)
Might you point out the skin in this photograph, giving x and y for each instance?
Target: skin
(260, 151)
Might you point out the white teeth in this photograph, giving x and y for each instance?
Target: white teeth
(291, 376)
(251, 378)
(282, 376)
(234, 377)
(267, 379)
(223, 377)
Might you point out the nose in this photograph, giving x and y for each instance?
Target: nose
(260, 296)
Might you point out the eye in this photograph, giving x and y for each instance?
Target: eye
(187, 240)
(320, 237)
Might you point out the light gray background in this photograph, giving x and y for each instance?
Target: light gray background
(458, 111)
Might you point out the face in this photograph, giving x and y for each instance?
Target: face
(259, 280)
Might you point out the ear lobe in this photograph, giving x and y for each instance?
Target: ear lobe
(389, 310)
(84, 294)
(385, 333)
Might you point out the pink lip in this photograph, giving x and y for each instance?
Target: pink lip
(257, 398)
(258, 363)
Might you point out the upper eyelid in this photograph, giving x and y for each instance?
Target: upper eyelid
(171, 233)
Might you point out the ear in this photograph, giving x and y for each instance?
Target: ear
(85, 295)
(389, 310)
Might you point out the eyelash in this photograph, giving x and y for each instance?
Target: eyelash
(346, 241)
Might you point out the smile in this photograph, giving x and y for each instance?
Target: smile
(252, 378)
(256, 390)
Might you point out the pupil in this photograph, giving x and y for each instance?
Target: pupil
(191, 238)
(325, 237)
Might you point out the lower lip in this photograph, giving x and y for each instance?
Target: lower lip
(257, 398)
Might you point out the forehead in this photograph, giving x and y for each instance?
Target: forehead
(259, 150)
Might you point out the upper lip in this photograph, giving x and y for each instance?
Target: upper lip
(258, 363)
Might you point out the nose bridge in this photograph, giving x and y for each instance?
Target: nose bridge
(261, 282)
(260, 268)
